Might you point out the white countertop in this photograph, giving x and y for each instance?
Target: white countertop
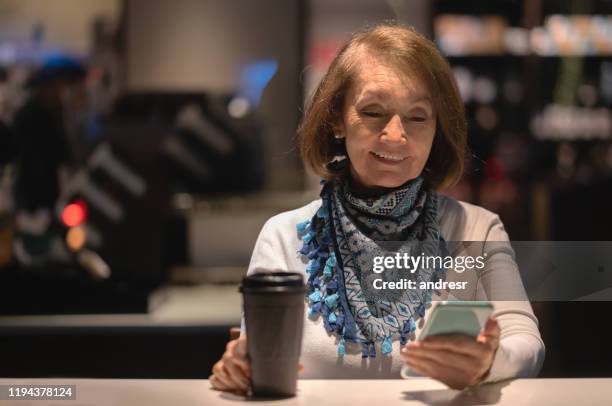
(417, 391)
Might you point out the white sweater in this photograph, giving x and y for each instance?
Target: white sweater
(521, 350)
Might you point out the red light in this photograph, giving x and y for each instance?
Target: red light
(75, 213)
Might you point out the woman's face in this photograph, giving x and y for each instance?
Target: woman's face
(389, 124)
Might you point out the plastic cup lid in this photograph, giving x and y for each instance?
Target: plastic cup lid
(277, 279)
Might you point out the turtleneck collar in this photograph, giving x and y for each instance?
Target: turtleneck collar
(363, 192)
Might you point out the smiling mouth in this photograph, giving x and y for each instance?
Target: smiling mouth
(388, 157)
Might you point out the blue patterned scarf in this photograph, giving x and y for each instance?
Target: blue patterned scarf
(339, 242)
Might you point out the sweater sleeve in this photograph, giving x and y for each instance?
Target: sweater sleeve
(271, 250)
(267, 254)
(521, 350)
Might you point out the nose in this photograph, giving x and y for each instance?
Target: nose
(394, 131)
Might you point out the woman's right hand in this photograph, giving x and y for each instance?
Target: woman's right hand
(232, 373)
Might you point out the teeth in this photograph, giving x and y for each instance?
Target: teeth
(390, 157)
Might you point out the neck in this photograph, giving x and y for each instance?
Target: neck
(366, 192)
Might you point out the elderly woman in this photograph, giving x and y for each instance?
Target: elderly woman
(386, 129)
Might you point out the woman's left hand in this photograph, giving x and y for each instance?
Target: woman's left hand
(458, 361)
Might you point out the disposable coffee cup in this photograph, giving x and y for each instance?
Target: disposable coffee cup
(274, 317)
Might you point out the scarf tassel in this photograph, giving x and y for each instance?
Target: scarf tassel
(368, 350)
(332, 301)
(332, 318)
(313, 265)
(314, 310)
(408, 328)
(313, 254)
(305, 249)
(325, 311)
(307, 238)
(326, 239)
(331, 287)
(341, 348)
(329, 265)
(315, 296)
(322, 212)
(421, 310)
(387, 346)
(303, 226)
(339, 323)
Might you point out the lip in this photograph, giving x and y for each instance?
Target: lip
(388, 161)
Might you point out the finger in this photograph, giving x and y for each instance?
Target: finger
(416, 367)
(240, 348)
(452, 377)
(236, 349)
(490, 335)
(243, 364)
(457, 366)
(490, 343)
(236, 376)
(219, 378)
(443, 357)
(217, 369)
(423, 368)
(492, 328)
(446, 359)
(217, 384)
(224, 387)
(300, 367)
(455, 342)
(224, 379)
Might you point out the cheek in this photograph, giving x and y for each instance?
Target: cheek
(424, 143)
(358, 147)
(427, 147)
(358, 139)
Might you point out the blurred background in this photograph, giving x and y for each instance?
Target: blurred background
(143, 144)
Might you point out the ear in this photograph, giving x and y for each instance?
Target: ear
(339, 129)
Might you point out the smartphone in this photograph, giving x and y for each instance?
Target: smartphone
(460, 317)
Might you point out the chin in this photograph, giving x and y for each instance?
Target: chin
(385, 177)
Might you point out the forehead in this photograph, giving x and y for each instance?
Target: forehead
(377, 78)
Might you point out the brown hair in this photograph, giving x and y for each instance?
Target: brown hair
(410, 53)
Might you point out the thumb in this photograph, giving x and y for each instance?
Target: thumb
(491, 328)
(491, 332)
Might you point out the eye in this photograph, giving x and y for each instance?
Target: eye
(418, 119)
(374, 114)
